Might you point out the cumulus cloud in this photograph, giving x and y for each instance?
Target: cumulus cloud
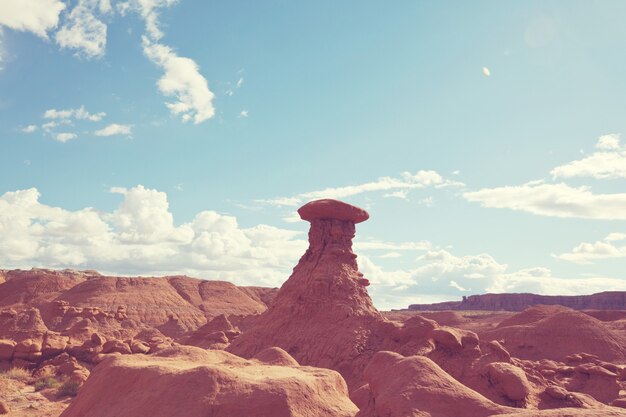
(29, 129)
(114, 129)
(406, 182)
(149, 12)
(36, 16)
(141, 237)
(65, 136)
(442, 276)
(182, 81)
(78, 113)
(558, 200)
(586, 253)
(609, 162)
(83, 31)
(401, 194)
(541, 281)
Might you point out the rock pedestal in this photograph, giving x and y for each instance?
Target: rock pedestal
(322, 315)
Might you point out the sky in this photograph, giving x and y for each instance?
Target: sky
(155, 137)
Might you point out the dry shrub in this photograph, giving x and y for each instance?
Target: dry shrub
(17, 374)
(46, 382)
(69, 388)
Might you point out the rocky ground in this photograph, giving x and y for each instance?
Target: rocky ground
(70, 341)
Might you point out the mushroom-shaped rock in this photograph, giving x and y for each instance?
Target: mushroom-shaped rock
(322, 315)
(332, 209)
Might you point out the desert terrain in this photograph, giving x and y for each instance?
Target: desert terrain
(78, 343)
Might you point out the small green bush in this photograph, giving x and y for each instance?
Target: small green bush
(69, 388)
(46, 382)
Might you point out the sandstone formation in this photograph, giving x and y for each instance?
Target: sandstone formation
(322, 315)
(549, 332)
(45, 314)
(192, 382)
(415, 386)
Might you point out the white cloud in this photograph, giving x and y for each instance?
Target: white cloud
(58, 114)
(486, 72)
(114, 129)
(183, 81)
(83, 31)
(384, 279)
(365, 245)
(586, 253)
(456, 286)
(65, 136)
(609, 142)
(541, 281)
(390, 255)
(607, 163)
(441, 275)
(243, 113)
(401, 194)
(78, 113)
(49, 126)
(104, 6)
(29, 129)
(406, 182)
(615, 236)
(141, 237)
(558, 200)
(149, 12)
(36, 16)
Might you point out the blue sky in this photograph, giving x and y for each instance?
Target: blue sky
(163, 136)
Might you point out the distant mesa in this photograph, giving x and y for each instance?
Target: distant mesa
(609, 300)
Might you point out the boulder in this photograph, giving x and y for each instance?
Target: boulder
(509, 380)
(28, 350)
(7, 347)
(219, 384)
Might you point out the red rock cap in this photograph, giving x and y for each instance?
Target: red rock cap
(332, 209)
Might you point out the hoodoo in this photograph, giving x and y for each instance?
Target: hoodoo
(322, 315)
